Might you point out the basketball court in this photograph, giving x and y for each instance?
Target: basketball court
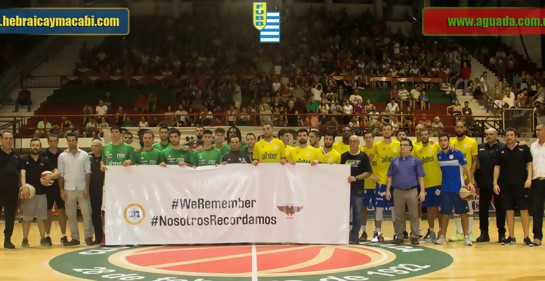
(285, 262)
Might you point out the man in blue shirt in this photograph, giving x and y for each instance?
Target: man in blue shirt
(452, 164)
(406, 176)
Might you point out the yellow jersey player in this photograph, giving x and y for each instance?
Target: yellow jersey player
(286, 137)
(303, 153)
(469, 148)
(427, 154)
(369, 185)
(326, 154)
(383, 152)
(342, 146)
(269, 149)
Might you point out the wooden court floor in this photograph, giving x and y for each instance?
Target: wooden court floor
(482, 261)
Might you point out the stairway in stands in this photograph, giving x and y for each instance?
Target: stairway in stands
(62, 64)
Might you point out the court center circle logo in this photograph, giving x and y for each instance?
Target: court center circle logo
(367, 261)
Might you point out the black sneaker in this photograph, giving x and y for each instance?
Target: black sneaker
(501, 238)
(528, 242)
(8, 244)
(509, 241)
(44, 242)
(64, 241)
(483, 238)
(48, 240)
(73, 242)
(405, 235)
(89, 241)
(398, 241)
(427, 236)
(414, 241)
(363, 237)
(25, 244)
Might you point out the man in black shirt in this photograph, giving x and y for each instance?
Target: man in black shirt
(485, 163)
(236, 156)
(513, 170)
(360, 169)
(36, 207)
(96, 187)
(10, 185)
(53, 193)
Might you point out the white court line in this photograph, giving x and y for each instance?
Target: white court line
(254, 263)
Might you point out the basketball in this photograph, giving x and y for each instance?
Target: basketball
(31, 191)
(43, 181)
(466, 194)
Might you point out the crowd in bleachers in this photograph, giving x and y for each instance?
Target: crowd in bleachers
(293, 77)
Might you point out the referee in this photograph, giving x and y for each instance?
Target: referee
(485, 165)
(513, 171)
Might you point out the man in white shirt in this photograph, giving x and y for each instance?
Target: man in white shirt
(101, 108)
(538, 183)
(75, 168)
(182, 114)
(392, 106)
(415, 96)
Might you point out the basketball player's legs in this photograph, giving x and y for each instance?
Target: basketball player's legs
(368, 200)
(54, 198)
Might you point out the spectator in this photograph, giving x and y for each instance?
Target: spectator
(101, 109)
(403, 96)
(455, 109)
(231, 116)
(87, 110)
(152, 102)
(120, 116)
(466, 110)
(65, 125)
(415, 96)
(424, 101)
(90, 127)
(108, 100)
(317, 93)
(182, 116)
(292, 114)
(237, 96)
(102, 126)
(266, 115)
(244, 119)
(392, 107)
(408, 120)
(140, 104)
(128, 122)
(42, 129)
(484, 86)
(23, 98)
(465, 73)
(355, 98)
(312, 106)
(143, 123)
(437, 126)
(508, 100)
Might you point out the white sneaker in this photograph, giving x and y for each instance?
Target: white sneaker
(441, 241)
(467, 241)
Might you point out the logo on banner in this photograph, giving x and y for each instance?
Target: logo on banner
(289, 209)
(268, 23)
(299, 262)
(134, 214)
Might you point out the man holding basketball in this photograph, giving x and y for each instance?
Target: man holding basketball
(452, 163)
(36, 207)
(513, 177)
(53, 193)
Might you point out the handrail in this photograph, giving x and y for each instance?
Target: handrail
(308, 120)
(58, 80)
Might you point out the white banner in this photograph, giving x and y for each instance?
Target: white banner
(235, 203)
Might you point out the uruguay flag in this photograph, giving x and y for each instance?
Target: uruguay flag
(271, 32)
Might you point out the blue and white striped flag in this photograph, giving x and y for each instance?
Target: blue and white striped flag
(271, 32)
